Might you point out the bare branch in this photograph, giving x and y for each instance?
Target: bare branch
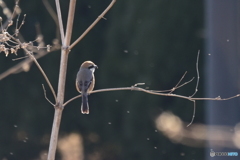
(16, 59)
(45, 95)
(174, 88)
(21, 66)
(9, 14)
(69, 27)
(16, 69)
(194, 111)
(37, 64)
(92, 25)
(42, 71)
(59, 13)
(62, 76)
(185, 83)
(154, 93)
(198, 77)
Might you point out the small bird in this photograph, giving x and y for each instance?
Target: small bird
(85, 82)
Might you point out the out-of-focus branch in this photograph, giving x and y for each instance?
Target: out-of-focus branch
(197, 134)
(53, 15)
(36, 62)
(10, 15)
(92, 25)
(25, 64)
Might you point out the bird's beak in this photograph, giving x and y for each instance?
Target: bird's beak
(95, 66)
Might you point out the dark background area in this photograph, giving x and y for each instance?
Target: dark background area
(150, 41)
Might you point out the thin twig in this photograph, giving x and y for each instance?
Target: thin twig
(45, 95)
(37, 64)
(19, 67)
(16, 59)
(194, 111)
(198, 77)
(59, 13)
(92, 25)
(42, 71)
(16, 69)
(185, 83)
(9, 14)
(174, 88)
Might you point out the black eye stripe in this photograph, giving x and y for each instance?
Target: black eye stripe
(90, 67)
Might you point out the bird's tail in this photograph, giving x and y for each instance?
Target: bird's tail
(85, 107)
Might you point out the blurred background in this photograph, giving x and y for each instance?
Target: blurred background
(141, 41)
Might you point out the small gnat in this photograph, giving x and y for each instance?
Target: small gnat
(228, 40)
(109, 122)
(136, 52)
(128, 111)
(125, 51)
(15, 126)
(148, 139)
(116, 100)
(155, 147)
(182, 154)
(209, 54)
(25, 139)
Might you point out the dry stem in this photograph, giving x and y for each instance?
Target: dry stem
(62, 76)
(60, 20)
(133, 88)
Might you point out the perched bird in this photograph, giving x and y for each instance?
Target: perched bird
(85, 83)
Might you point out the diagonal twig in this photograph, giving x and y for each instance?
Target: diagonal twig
(37, 64)
(163, 91)
(45, 95)
(92, 25)
(174, 88)
(53, 15)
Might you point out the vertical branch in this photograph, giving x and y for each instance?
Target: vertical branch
(60, 20)
(70, 23)
(64, 54)
(62, 78)
(54, 134)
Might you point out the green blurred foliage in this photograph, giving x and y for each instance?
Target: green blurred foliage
(150, 41)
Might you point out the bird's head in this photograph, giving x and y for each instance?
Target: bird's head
(89, 65)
